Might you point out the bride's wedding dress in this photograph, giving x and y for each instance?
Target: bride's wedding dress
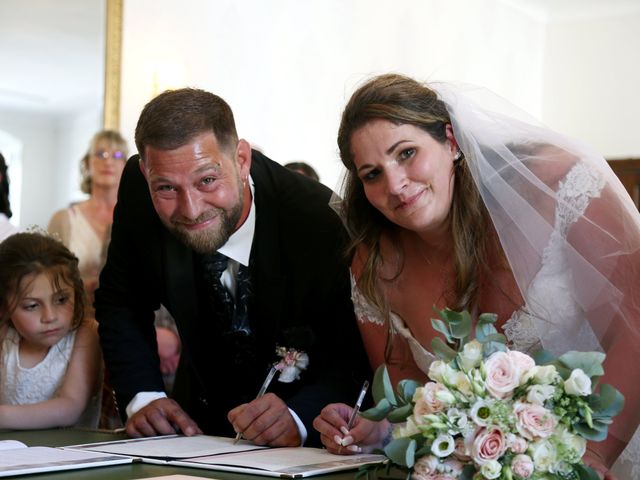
(551, 317)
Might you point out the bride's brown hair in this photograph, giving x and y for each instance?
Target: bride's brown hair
(402, 100)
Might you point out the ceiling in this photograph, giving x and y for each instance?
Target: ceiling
(51, 54)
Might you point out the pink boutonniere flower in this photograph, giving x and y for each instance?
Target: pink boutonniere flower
(292, 363)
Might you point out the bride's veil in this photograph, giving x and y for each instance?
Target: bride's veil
(556, 203)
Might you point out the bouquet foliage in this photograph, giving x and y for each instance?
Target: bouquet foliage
(494, 413)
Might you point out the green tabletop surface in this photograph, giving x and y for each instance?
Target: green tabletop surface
(66, 436)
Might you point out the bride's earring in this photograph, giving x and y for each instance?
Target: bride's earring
(457, 156)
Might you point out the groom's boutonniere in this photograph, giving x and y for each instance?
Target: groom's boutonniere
(292, 363)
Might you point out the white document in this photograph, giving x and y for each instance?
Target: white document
(295, 462)
(170, 447)
(220, 453)
(18, 459)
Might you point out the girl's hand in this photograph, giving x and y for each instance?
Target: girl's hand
(364, 436)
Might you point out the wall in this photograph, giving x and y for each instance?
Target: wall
(591, 78)
(52, 146)
(287, 67)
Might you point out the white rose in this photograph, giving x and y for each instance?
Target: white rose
(575, 445)
(542, 374)
(446, 397)
(443, 446)
(491, 469)
(437, 370)
(578, 383)
(544, 455)
(538, 394)
(471, 355)
(408, 429)
(460, 382)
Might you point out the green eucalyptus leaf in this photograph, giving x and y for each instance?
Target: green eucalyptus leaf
(460, 324)
(398, 415)
(382, 387)
(589, 362)
(424, 450)
(494, 337)
(407, 388)
(485, 326)
(586, 473)
(596, 434)
(442, 350)
(543, 357)
(467, 473)
(490, 348)
(607, 403)
(379, 412)
(440, 326)
(401, 451)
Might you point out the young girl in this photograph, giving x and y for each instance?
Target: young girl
(50, 361)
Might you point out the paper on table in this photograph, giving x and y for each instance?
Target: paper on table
(178, 477)
(11, 444)
(24, 460)
(281, 459)
(171, 447)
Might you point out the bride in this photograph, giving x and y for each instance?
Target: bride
(449, 205)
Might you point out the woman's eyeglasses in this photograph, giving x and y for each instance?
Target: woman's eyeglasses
(105, 154)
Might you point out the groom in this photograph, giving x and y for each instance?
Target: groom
(247, 256)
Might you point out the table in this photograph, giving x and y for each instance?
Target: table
(66, 436)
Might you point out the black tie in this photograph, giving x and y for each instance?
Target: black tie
(215, 266)
(234, 312)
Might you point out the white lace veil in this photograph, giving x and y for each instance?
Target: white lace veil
(560, 212)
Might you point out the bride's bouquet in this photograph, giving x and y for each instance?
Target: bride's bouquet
(494, 413)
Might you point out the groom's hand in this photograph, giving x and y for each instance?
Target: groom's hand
(161, 417)
(266, 421)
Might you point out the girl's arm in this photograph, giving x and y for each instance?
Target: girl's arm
(79, 384)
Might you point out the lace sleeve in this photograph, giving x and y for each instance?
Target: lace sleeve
(365, 312)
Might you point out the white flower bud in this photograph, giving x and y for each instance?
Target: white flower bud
(578, 383)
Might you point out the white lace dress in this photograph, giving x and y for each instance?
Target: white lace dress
(25, 386)
(549, 296)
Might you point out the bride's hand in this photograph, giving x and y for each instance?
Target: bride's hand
(364, 436)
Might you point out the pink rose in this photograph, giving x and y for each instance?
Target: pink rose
(534, 421)
(488, 445)
(425, 468)
(523, 362)
(452, 467)
(522, 465)
(503, 375)
(517, 444)
(427, 402)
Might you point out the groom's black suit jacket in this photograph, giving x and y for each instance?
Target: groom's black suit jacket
(300, 299)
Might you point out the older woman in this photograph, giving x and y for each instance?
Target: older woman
(84, 227)
(452, 206)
